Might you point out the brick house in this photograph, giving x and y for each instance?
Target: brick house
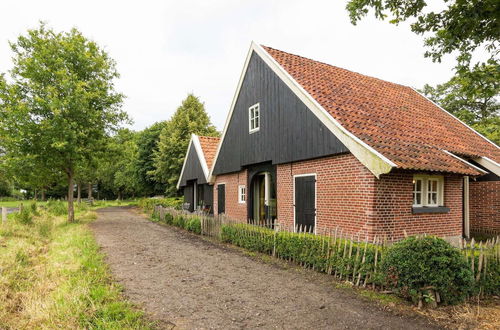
(193, 180)
(309, 144)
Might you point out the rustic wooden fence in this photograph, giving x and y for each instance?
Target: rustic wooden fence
(351, 258)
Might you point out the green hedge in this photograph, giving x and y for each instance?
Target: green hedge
(148, 204)
(185, 221)
(318, 252)
(405, 267)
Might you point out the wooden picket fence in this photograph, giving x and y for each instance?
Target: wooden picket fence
(347, 257)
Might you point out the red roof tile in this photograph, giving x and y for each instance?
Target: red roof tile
(393, 119)
(209, 146)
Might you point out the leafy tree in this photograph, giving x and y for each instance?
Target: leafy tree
(61, 103)
(473, 98)
(147, 143)
(116, 168)
(462, 25)
(189, 118)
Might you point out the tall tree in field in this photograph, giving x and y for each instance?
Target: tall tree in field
(189, 118)
(61, 103)
(460, 27)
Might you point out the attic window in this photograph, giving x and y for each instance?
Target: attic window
(428, 190)
(254, 118)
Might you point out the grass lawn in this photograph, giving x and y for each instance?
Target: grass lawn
(53, 276)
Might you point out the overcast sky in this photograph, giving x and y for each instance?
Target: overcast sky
(167, 49)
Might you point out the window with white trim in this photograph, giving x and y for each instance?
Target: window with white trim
(242, 194)
(254, 118)
(428, 190)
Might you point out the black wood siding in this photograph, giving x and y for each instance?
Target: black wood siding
(289, 131)
(193, 169)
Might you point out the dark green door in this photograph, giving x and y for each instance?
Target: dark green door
(221, 198)
(305, 202)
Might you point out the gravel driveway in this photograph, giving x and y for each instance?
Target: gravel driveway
(187, 282)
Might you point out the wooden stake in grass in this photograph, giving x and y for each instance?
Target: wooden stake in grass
(4, 215)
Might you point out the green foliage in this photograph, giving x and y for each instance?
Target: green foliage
(460, 26)
(59, 104)
(472, 96)
(169, 219)
(189, 118)
(194, 225)
(148, 204)
(414, 264)
(179, 221)
(116, 169)
(307, 249)
(56, 207)
(146, 145)
(24, 216)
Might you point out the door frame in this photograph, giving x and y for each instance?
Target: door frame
(315, 200)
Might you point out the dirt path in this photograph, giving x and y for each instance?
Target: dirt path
(191, 283)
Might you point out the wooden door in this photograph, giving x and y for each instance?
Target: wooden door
(221, 198)
(305, 202)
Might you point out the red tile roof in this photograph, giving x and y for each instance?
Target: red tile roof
(209, 146)
(393, 119)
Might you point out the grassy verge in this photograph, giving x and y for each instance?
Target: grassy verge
(53, 276)
(16, 203)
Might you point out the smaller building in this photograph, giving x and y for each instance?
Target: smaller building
(194, 179)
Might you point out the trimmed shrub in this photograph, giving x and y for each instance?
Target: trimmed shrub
(169, 218)
(179, 221)
(414, 264)
(194, 225)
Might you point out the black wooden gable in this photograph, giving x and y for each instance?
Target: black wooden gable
(192, 168)
(288, 132)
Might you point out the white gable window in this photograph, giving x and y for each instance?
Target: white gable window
(428, 190)
(242, 194)
(254, 118)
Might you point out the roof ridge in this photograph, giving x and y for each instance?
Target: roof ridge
(336, 67)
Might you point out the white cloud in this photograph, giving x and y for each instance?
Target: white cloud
(166, 49)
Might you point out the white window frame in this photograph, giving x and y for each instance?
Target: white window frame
(421, 192)
(256, 128)
(242, 194)
(425, 191)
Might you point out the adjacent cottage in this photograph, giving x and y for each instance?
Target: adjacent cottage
(198, 193)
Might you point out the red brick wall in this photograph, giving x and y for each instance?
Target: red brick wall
(344, 193)
(234, 209)
(393, 208)
(484, 206)
(352, 199)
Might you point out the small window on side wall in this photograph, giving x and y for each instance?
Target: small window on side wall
(254, 118)
(428, 190)
(242, 194)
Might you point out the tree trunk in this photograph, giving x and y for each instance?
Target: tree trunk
(89, 191)
(43, 194)
(71, 186)
(79, 193)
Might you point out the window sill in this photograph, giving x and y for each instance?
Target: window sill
(430, 209)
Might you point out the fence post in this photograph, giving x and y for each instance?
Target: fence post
(4, 215)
